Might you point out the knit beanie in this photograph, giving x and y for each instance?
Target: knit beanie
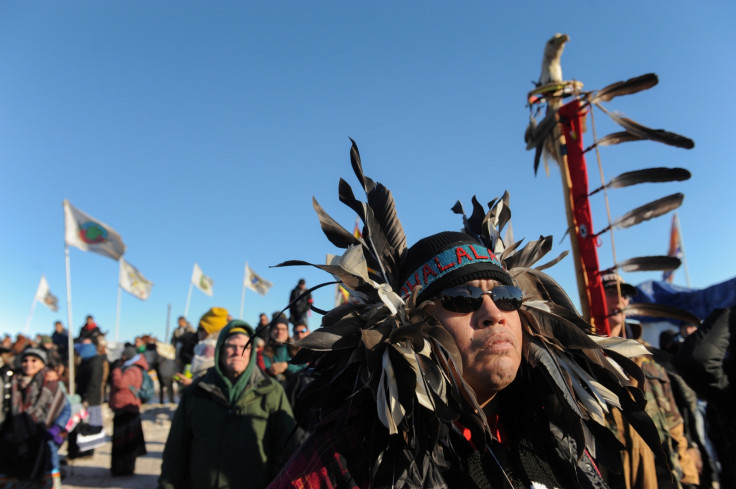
(36, 352)
(214, 320)
(238, 327)
(446, 260)
(129, 352)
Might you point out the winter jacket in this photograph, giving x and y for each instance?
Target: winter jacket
(275, 353)
(215, 444)
(706, 361)
(125, 380)
(91, 379)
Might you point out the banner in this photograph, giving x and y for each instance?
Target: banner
(255, 282)
(674, 250)
(89, 234)
(202, 281)
(133, 281)
(45, 297)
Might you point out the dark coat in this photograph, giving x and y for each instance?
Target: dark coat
(90, 379)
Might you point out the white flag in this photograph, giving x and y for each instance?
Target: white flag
(89, 234)
(256, 283)
(201, 281)
(133, 281)
(44, 295)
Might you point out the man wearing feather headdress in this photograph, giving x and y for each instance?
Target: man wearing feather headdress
(457, 364)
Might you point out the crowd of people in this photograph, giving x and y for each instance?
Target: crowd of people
(456, 363)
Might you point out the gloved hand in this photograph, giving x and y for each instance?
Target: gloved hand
(56, 433)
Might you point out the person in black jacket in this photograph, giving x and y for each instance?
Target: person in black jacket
(705, 360)
(299, 309)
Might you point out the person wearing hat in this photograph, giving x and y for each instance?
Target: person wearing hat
(276, 353)
(232, 426)
(457, 290)
(456, 363)
(127, 435)
(641, 468)
(35, 423)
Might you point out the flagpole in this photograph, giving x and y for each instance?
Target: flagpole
(117, 311)
(242, 301)
(70, 336)
(242, 293)
(168, 317)
(30, 315)
(682, 247)
(189, 296)
(117, 315)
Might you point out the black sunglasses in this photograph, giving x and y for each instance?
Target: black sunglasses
(466, 299)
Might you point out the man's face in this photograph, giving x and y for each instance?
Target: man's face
(280, 332)
(182, 322)
(234, 356)
(301, 331)
(263, 320)
(31, 365)
(615, 305)
(687, 329)
(59, 327)
(90, 320)
(489, 340)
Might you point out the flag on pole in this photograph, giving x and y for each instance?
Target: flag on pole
(202, 281)
(675, 249)
(89, 234)
(44, 295)
(255, 282)
(133, 281)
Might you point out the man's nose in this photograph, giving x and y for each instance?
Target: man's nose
(489, 314)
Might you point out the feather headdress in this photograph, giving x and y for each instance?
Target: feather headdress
(384, 353)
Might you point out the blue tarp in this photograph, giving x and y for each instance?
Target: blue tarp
(697, 301)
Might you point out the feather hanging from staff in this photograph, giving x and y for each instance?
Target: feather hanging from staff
(645, 212)
(647, 175)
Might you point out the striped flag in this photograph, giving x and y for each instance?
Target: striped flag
(674, 250)
(89, 234)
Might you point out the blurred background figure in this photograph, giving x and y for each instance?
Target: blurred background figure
(89, 330)
(299, 309)
(127, 436)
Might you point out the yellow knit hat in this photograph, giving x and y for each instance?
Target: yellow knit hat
(214, 320)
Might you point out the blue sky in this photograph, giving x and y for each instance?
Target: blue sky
(201, 131)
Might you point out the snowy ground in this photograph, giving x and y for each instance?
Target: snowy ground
(94, 472)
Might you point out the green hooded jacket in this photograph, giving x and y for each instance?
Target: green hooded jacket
(216, 443)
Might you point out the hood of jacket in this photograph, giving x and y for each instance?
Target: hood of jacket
(234, 388)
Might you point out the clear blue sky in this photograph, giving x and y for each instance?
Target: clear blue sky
(201, 131)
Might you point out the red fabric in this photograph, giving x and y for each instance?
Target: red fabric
(570, 121)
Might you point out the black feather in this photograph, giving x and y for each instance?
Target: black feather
(647, 175)
(614, 138)
(659, 263)
(646, 212)
(627, 87)
(661, 311)
(338, 235)
(658, 135)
